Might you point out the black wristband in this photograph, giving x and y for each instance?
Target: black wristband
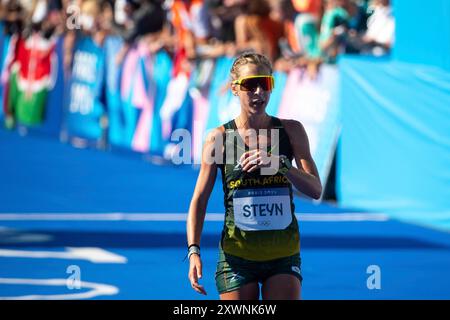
(193, 245)
(190, 252)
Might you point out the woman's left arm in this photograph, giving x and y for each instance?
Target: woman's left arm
(305, 177)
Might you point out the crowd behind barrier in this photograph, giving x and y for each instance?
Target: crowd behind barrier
(128, 74)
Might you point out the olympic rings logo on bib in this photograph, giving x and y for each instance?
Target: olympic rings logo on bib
(262, 209)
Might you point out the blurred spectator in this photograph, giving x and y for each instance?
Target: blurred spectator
(357, 10)
(257, 30)
(85, 23)
(12, 16)
(290, 49)
(143, 17)
(106, 18)
(119, 11)
(333, 28)
(187, 31)
(380, 27)
(379, 36)
(29, 68)
(89, 11)
(194, 33)
(283, 10)
(307, 25)
(44, 17)
(223, 14)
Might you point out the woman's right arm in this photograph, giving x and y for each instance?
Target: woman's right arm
(199, 202)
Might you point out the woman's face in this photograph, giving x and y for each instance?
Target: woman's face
(252, 102)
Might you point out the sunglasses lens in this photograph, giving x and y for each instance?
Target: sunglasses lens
(251, 84)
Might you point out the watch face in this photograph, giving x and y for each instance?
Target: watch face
(284, 165)
(285, 162)
(283, 170)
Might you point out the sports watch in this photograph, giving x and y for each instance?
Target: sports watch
(285, 165)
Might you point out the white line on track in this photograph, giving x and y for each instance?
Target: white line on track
(329, 217)
(94, 255)
(98, 289)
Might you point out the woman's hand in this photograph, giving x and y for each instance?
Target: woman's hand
(254, 159)
(195, 273)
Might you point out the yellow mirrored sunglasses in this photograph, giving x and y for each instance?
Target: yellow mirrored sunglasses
(251, 83)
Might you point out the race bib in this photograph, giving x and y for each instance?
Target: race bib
(262, 209)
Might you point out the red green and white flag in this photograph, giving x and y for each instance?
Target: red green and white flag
(31, 78)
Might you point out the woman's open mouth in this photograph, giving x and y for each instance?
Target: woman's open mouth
(257, 103)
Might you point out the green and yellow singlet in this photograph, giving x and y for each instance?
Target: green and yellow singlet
(260, 223)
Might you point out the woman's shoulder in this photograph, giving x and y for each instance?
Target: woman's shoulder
(219, 130)
(215, 133)
(292, 126)
(230, 125)
(297, 134)
(289, 122)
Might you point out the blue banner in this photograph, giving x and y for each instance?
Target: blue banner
(220, 96)
(4, 49)
(113, 100)
(159, 79)
(84, 110)
(144, 78)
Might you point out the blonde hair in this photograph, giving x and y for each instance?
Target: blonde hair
(249, 57)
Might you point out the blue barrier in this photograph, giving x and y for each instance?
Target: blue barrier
(394, 154)
(422, 32)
